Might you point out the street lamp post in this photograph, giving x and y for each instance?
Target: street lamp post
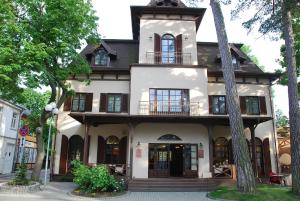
(53, 110)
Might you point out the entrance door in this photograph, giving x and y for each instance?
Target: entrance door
(190, 160)
(176, 160)
(8, 158)
(159, 160)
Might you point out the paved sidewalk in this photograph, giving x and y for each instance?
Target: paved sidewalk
(59, 191)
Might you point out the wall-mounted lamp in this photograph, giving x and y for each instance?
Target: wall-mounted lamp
(150, 37)
(200, 145)
(138, 144)
(186, 37)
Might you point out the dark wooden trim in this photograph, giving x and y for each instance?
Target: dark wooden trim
(243, 104)
(101, 150)
(253, 149)
(103, 102)
(211, 148)
(86, 145)
(63, 162)
(262, 105)
(68, 103)
(267, 156)
(88, 102)
(141, 65)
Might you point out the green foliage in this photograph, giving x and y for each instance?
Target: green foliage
(283, 62)
(248, 51)
(264, 192)
(20, 177)
(267, 15)
(95, 179)
(281, 119)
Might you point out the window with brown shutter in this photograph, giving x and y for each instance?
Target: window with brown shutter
(262, 105)
(125, 103)
(210, 104)
(243, 104)
(103, 102)
(68, 103)
(179, 48)
(88, 102)
(157, 50)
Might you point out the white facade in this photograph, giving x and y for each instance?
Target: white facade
(9, 122)
(141, 125)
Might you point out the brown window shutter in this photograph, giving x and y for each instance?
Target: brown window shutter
(103, 102)
(179, 48)
(243, 104)
(88, 151)
(68, 103)
(88, 102)
(123, 150)
(266, 156)
(101, 150)
(124, 102)
(262, 105)
(157, 48)
(210, 104)
(63, 162)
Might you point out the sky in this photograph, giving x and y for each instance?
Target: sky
(115, 23)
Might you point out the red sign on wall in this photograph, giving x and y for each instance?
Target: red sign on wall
(138, 153)
(200, 153)
(24, 131)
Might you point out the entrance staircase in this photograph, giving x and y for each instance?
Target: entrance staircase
(171, 185)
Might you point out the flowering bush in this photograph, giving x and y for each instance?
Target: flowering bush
(95, 179)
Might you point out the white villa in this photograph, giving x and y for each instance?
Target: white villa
(156, 105)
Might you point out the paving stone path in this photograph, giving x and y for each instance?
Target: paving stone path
(59, 191)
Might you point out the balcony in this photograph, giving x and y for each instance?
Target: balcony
(170, 108)
(169, 58)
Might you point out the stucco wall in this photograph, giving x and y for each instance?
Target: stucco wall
(96, 87)
(175, 27)
(149, 133)
(243, 90)
(144, 78)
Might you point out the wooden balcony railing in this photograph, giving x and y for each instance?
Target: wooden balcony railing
(169, 108)
(168, 58)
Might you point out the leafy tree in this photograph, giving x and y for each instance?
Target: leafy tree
(248, 51)
(275, 18)
(42, 40)
(283, 62)
(281, 119)
(245, 174)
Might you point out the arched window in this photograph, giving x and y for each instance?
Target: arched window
(75, 148)
(112, 150)
(168, 49)
(101, 58)
(221, 151)
(169, 137)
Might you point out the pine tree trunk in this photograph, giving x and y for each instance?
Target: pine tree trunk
(245, 176)
(294, 112)
(40, 156)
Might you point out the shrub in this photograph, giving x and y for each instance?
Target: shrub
(95, 179)
(20, 177)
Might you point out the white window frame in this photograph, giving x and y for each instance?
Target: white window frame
(14, 121)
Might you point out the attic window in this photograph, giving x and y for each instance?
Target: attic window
(102, 58)
(235, 62)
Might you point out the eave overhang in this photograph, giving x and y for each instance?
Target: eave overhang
(98, 119)
(137, 11)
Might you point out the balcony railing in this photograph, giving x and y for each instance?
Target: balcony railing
(169, 108)
(168, 58)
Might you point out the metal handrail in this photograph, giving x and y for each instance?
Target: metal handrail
(168, 58)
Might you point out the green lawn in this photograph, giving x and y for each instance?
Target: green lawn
(264, 193)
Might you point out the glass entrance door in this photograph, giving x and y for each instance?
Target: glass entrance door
(176, 160)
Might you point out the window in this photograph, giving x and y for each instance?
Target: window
(168, 49)
(78, 103)
(219, 104)
(112, 150)
(14, 122)
(169, 100)
(220, 151)
(114, 103)
(102, 58)
(252, 105)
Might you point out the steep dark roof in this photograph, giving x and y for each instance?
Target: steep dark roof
(208, 55)
(124, 52)
(167, 3)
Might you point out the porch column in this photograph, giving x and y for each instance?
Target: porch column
(86, 144)
(253, 149)
(129, 150)
(210, 141)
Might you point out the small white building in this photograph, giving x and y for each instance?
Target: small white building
(9, 121)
